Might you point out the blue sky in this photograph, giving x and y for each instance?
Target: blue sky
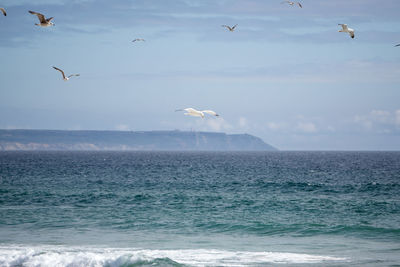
(286, 74)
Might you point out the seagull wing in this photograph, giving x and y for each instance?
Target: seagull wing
(193, 112)
(190, 110)
(211, 112)
(40, 16)
(4, 11)
(49, 19)
(299, 4)
(234, 27)
(397, 45)
(186, 109)
(60, 71)
(285, 2)
(344, 26)
(74, 75)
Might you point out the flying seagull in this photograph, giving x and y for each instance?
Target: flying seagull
(4, 11)
(63, 74)
(348, 30)
(231, 29)
(292, 3)
(197, 113)
(43, 21)
(138, 39)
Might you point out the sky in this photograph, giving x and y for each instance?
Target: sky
(285, 74)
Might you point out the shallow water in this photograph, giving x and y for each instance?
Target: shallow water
(199, 208)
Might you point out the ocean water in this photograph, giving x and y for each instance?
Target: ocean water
(199, 209)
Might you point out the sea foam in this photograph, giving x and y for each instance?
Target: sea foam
(113, 257)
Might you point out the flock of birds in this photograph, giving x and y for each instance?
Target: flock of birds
(46, 22)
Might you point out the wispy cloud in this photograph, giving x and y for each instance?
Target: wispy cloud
(379, 121)
(397, 118)
(122, 127)
(306, 127)
(212, 124)
(258, 20)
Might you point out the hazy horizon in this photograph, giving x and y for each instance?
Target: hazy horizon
(285, 74)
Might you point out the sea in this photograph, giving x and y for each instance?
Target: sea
(199, 208)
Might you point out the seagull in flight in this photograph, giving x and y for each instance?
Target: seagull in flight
(65, 78)
(292, 3)
(4, 11)
(43, 21)
(346, 29)
(231, 29)
(197, 113)
(138, 39)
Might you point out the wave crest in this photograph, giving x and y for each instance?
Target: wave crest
(112, 257)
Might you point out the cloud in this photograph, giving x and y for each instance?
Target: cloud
(397, 121)
(306, 127)
(122, 127)
(258, 20)
(276, 126)
(213, 124)
(349, 71)
(381, 116)
(298, 125)
(380, 121)
(243, 122)
(364, 121)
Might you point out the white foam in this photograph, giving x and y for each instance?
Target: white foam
(96, 257)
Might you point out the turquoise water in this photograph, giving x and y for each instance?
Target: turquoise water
(199, 208)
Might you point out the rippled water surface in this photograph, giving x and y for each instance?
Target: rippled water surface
(199, 208)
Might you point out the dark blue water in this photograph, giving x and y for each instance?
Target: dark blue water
(199, 208)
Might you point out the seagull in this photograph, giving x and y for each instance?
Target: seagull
(138, 39)
(231, 29)
(4, 11)
(348, 30)
(63, 74)
(43, 21)
(197, 113)
(292, 3)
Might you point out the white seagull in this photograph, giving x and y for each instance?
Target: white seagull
(231, 29)
(65, 78)
(138, 39)
(43, 21)
(4, 11)
(346, 29)
(197, 113)
(292, 3)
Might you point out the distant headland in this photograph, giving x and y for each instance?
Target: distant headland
(11, 140)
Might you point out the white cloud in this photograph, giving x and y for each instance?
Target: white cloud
(276, 126)
(397, 118)
(307, 127)
(382, 116)
(362, 120)
(122, 127)
(381, 121)
(243, 122)
(213, 124)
